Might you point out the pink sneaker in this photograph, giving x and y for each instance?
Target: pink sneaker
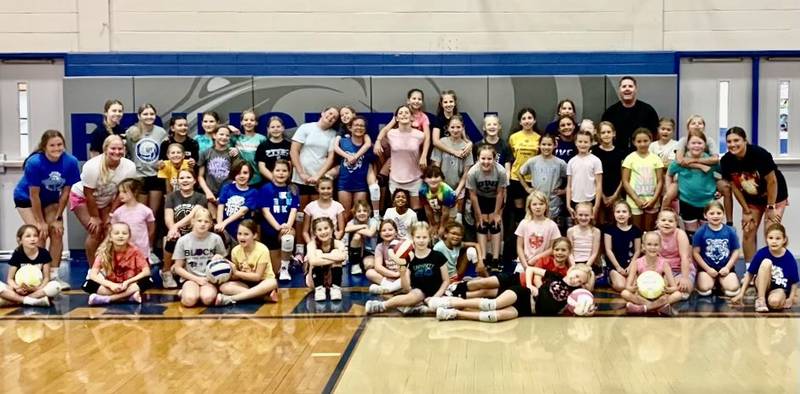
(635, 309)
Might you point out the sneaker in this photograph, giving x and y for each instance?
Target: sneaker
(319, 294)
(64, 285)
(373, 306)
(635, 309)
(283, 274)
(298, 259)
(761, 305)
(52, 289)
(336, 293)
(438, 303)
(135, 298)
(446, 314)
(30, 301)
(168, 280)
(223, 300)
(97, 299)
(377, 289)
(356, 270)
(667, 310)
(417, 310)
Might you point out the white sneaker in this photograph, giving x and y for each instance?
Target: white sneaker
(30, 301)
(417, 310)
(336, 293)
(438, 302)
(168, 280)
(223, 300)
(52, 289)
(377, 289)
(446, 314)
(356, 269)
(64, 285)
(319, 294)
(283, 274)
(373, 306)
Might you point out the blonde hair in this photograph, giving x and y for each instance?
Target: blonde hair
(105, 172)
(586, 269)
(105, 252)
(202, 213)
(419, 226)
(535, 195)
(497, 119)
(695, 117)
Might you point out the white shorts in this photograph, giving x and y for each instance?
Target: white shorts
(412, 187)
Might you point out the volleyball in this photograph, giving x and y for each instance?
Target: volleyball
(219, 271)
(402, 248)
(651, 285)
(29, 275)
(580, 302)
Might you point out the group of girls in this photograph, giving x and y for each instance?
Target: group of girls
(316, 199)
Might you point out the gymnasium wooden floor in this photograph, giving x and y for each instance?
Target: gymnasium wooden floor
(299, 346)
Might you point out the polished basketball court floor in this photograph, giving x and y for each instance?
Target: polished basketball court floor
(300, 346)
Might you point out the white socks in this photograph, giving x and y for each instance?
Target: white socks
(488, 317)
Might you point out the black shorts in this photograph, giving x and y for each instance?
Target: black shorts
(153, 184)
(22, 203)
(690, 213)
(169, 246)
(523, 303)
(486, 204)
(91, 286)
(516, 190)
(507, 281)
(306, 190)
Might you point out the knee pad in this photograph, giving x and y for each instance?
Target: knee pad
(488, 304)
(472, 255)
(494, 228)
(287, 243)
(732, 293)
(374, 192)
(704, 293)
(488, 316)
(300, 216)
(481, 229)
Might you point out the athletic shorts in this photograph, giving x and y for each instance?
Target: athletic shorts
(486, 204)
(271, 241)
(306, 190)
(692, 274)
(412, 187)
(523, 304)
(690, 213)
(507, 281)
(169, 246)
(22, 203)
(91, 286)
(75, 201)
(153, 184)
(516, 190)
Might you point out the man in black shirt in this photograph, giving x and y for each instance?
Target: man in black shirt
(629, 113)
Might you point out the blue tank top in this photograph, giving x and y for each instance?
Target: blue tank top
(353, 178)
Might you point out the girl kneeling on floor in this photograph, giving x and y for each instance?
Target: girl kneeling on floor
(424, 276)
(120, 271)
(193, 252)
(546, 300)
(252, 276)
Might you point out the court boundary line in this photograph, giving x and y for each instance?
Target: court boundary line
(333, 380)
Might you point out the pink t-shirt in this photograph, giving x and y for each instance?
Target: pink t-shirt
(420, 121)
(137, 218)
(405, 148)
(584, 170)
(536, 236)
(315, 211)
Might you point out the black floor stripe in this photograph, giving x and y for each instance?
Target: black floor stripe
(337, 372)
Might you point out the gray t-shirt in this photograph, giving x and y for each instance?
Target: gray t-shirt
(218, 166)
(145, 152)
(182, 206)
(485, 184)
(546, 176)
(453, 167)
(198, 252)
(316, 145)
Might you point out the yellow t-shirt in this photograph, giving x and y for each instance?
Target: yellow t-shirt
(523, 146)
(248, 263)
(644, 177)
(170, 173)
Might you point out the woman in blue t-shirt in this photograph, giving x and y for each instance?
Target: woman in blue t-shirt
(43, 192)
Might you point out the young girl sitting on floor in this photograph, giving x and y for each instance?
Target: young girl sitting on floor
(326, 255)
(651, 261)
(193, 252)
(252, 276)
(120, 271)
(28, 253)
